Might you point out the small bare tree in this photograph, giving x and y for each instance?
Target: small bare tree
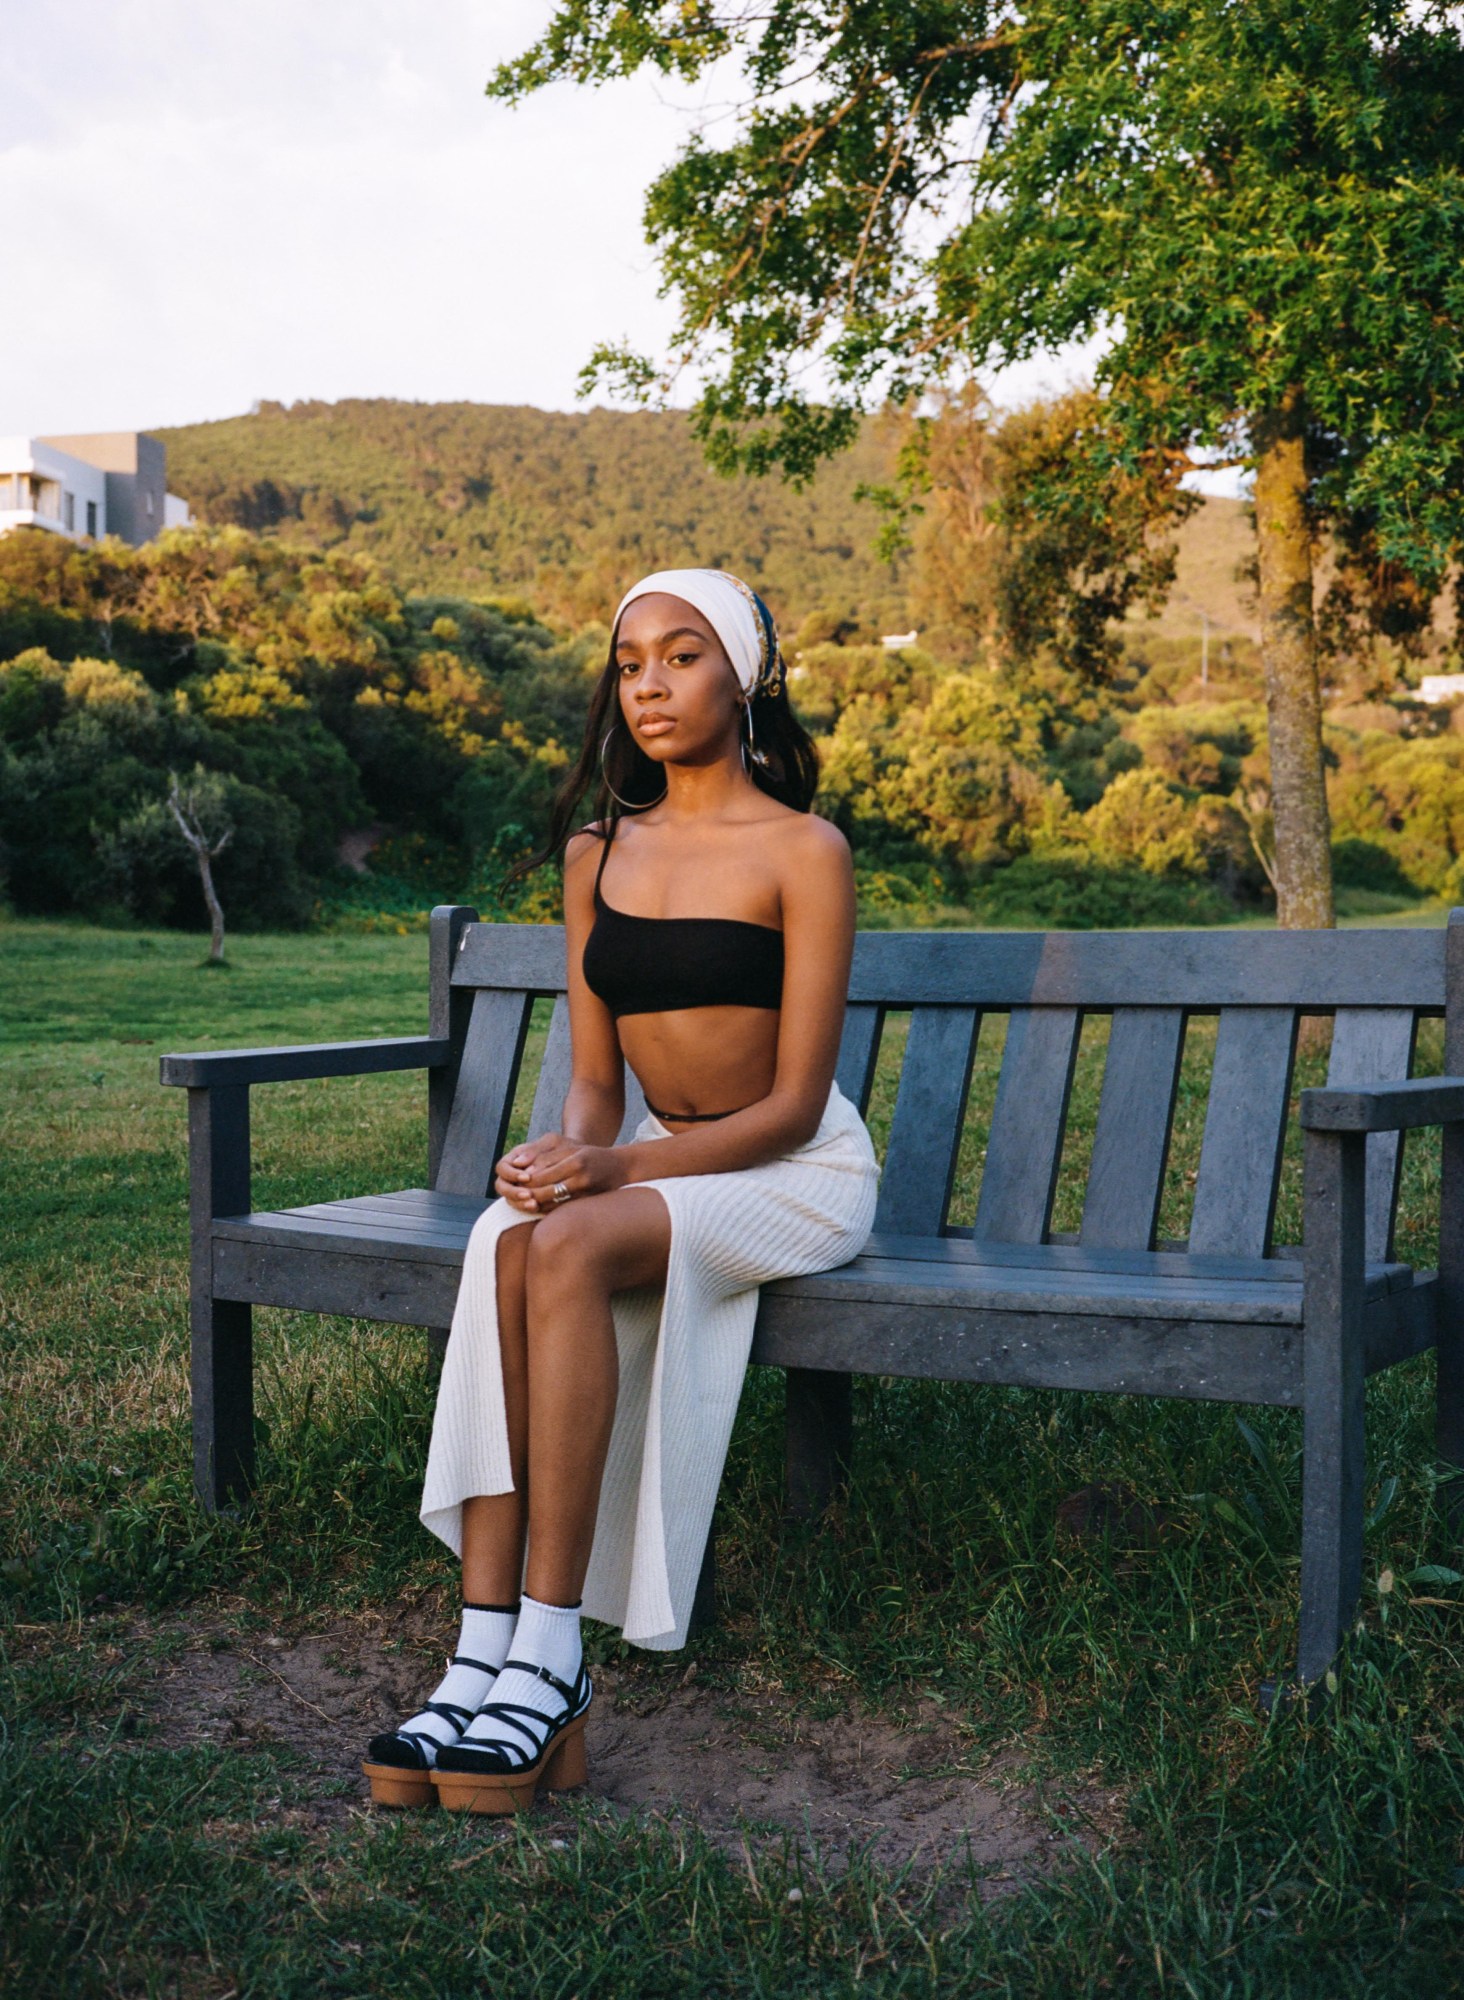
(208, 830)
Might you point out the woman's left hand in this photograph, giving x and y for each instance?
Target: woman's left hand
(529, 1174)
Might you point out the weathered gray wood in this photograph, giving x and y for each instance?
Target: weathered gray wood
(1371, 1045)
(893, 1281)
(859, 1053)
(704, 1604)
(1449, 1382)
(818, 1440)
(1024, 1146)
(1131, 1142)
(478, 1128)
(1245, 1126)
(1199, 1359)
(920, 1160)
(448, 1010)
(1335, 1179)
(310, 1060)
(1315, 971)
(286, 1229)
(1393, 1107)
(1400, 1325)
(408, 1292)
(514, 958)
(220, 1330)
(554, 1073)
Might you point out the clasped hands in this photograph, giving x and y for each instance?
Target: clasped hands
(527, 1175)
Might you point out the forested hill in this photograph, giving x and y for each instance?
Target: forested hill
(484, 500)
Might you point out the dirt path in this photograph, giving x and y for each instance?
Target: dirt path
(747, 1766)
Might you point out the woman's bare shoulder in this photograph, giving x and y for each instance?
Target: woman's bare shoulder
(811, 842)
(582, 843)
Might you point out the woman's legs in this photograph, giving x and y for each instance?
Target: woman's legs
(494, 1523)
(560, 1378)
(578, 1256)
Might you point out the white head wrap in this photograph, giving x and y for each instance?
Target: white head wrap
(729, 606)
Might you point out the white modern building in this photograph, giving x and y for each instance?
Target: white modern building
(93, 484)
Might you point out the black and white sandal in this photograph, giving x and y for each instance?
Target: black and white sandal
(399, 1763)
(502, 1773)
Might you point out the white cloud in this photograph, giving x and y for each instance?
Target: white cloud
(203, 206)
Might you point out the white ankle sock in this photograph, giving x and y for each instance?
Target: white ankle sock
(482, 1648)
(546, 1635)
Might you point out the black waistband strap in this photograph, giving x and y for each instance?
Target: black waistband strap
(694, 1117)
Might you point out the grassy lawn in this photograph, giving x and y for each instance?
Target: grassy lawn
(1295, 1857)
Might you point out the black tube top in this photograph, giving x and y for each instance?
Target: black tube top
(654, 965)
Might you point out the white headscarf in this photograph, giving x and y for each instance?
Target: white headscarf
(728, 605)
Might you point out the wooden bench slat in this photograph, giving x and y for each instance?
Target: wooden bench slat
(478, 1128)
(555, 1071)
(1135, 1114)
(1375, 1045)
(1095, 970)
(1245, 1126)
(920, 1160)
(1024, 1145)
(858, 1053)
(1197, 1359)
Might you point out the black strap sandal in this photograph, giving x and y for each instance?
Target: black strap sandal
(403, 1748)
(508, 1758)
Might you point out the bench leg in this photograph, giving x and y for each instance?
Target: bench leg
(704, 1604)
(223, 1401)
(1449, 1410)
(819, 1440)
(1332, 1399)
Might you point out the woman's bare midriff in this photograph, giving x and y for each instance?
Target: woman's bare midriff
(702, 1059)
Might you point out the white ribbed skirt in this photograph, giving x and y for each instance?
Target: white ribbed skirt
(683, 1355)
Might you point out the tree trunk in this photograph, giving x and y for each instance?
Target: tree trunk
(1289, 660)
(215, 909)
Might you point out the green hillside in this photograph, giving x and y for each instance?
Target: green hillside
(481, 500)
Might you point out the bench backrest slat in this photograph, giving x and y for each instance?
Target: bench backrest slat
(1024, 1144)
(554, 1073)
(1375, 1045)
(925, 1132)
(858, 1053)
(1245, 1128)
(478, 1128)
(1131, 1140)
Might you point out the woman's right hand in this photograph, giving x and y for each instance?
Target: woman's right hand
(511, 1174)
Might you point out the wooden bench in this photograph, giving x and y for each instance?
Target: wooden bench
(1226, 1317)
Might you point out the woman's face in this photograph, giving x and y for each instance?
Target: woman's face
(678, 691)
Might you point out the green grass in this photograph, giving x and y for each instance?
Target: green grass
(1308, 1857)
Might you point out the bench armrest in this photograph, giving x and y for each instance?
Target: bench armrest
(1385, 1107)
(313, 1059)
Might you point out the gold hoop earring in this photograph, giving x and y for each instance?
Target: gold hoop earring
(625, 804)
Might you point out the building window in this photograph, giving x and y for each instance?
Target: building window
(149, 503)
(91, 518)
(68, 512)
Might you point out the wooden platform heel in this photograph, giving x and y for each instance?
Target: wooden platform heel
(490, 1778)
(562, 1766)
(394, 1785)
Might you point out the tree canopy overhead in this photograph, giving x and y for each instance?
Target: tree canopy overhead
(1258, 208)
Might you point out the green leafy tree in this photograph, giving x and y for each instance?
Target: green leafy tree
(1258, 207)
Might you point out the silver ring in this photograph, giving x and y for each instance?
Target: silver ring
(561, 1192)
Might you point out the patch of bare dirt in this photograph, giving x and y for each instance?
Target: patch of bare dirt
(751, 1767)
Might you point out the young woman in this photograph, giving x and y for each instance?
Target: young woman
(608, 1295)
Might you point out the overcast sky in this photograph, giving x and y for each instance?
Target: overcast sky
(202, 205)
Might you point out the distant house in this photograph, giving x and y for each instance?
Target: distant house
(1441, 687)
(97, 483)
